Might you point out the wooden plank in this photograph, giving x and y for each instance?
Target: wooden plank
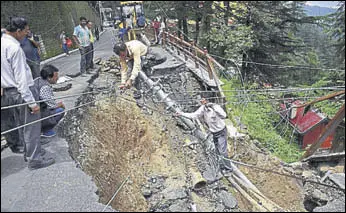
(330, 128)
(325, 157)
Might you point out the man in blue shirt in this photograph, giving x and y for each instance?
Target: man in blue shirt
(31, 50)
(81, 37)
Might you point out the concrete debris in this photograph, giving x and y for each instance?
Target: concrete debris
(319, 198)
(334, 206)
(97, 61)
(159, 194)
(227, 199)
(175, 194)
(61, 87)
(338, 179)
(105, 69)
(146, 192)
(179, 206)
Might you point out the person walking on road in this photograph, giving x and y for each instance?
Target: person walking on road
(18, 87)
(63, 40)
(81, 37)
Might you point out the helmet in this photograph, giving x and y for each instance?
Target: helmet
(119, 47)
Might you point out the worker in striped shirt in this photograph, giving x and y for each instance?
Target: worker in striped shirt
(49, 75)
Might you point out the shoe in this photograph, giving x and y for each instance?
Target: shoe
(48, 134)
(43, 152)
(17, 149)
(37, 164)
(44, 141)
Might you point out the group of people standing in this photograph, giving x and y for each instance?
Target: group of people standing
(22, 85)
(159, 28)
(84, 39)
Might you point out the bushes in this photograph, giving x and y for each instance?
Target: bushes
(260, 120)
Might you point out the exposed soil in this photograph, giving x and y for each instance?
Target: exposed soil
(284, 191)
(115, 139)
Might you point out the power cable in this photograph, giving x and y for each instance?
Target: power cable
(278, 173)
(39, 120)
(55, 98)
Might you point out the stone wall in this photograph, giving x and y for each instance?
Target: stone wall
(49, 18)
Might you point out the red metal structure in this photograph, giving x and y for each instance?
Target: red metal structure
(308, 126)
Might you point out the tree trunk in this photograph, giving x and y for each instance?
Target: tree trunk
(197, 30)
(179, 27)
(207, 20)
(244, 68)
(226, 3)
(185, 30)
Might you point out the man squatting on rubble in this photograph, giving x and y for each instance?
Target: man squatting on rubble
(132, 55)
(213, 116)
(49, 75)
(18, 87)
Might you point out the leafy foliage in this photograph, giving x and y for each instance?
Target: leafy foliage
(260, 122)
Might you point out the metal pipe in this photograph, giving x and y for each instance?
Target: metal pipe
(172, 106)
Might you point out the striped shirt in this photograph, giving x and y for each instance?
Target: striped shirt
(46, 92)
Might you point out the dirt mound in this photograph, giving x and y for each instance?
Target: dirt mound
(284, 191)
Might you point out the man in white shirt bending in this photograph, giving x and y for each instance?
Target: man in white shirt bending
(212, 115)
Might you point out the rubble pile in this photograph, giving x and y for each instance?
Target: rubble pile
(162, 190)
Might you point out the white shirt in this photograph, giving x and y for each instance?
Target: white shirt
(15, 72)
(162, 26)
(212, 116)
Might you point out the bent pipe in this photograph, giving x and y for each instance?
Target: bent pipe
(171, 105)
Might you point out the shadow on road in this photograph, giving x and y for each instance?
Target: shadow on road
(11, 165)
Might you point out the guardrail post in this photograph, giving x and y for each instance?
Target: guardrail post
(208, 64)
(182, 45)
(196, 55)
(177, 43)
(164, 37)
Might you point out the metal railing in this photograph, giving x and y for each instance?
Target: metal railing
(200, 57)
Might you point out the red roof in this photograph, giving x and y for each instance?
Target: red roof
(306, 122)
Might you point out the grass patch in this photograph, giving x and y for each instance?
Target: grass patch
(260, 121)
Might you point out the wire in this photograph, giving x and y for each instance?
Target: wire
(297, 89)
(39, 120)
(278, 173)
(115, 194)
(278, 66)
(250, 62)
(55, 98)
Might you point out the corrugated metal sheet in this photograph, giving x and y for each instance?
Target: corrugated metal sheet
(304, 123)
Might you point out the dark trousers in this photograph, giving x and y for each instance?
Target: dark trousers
(35, 68)
(85, 54)
(136, 83)
(10, 118)
(50, 123)
(90, 57)
(65, 48)
(220, 141)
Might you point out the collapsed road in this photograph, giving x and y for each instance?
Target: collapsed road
(144, 159)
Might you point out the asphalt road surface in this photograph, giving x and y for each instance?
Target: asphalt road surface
(61, 186)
